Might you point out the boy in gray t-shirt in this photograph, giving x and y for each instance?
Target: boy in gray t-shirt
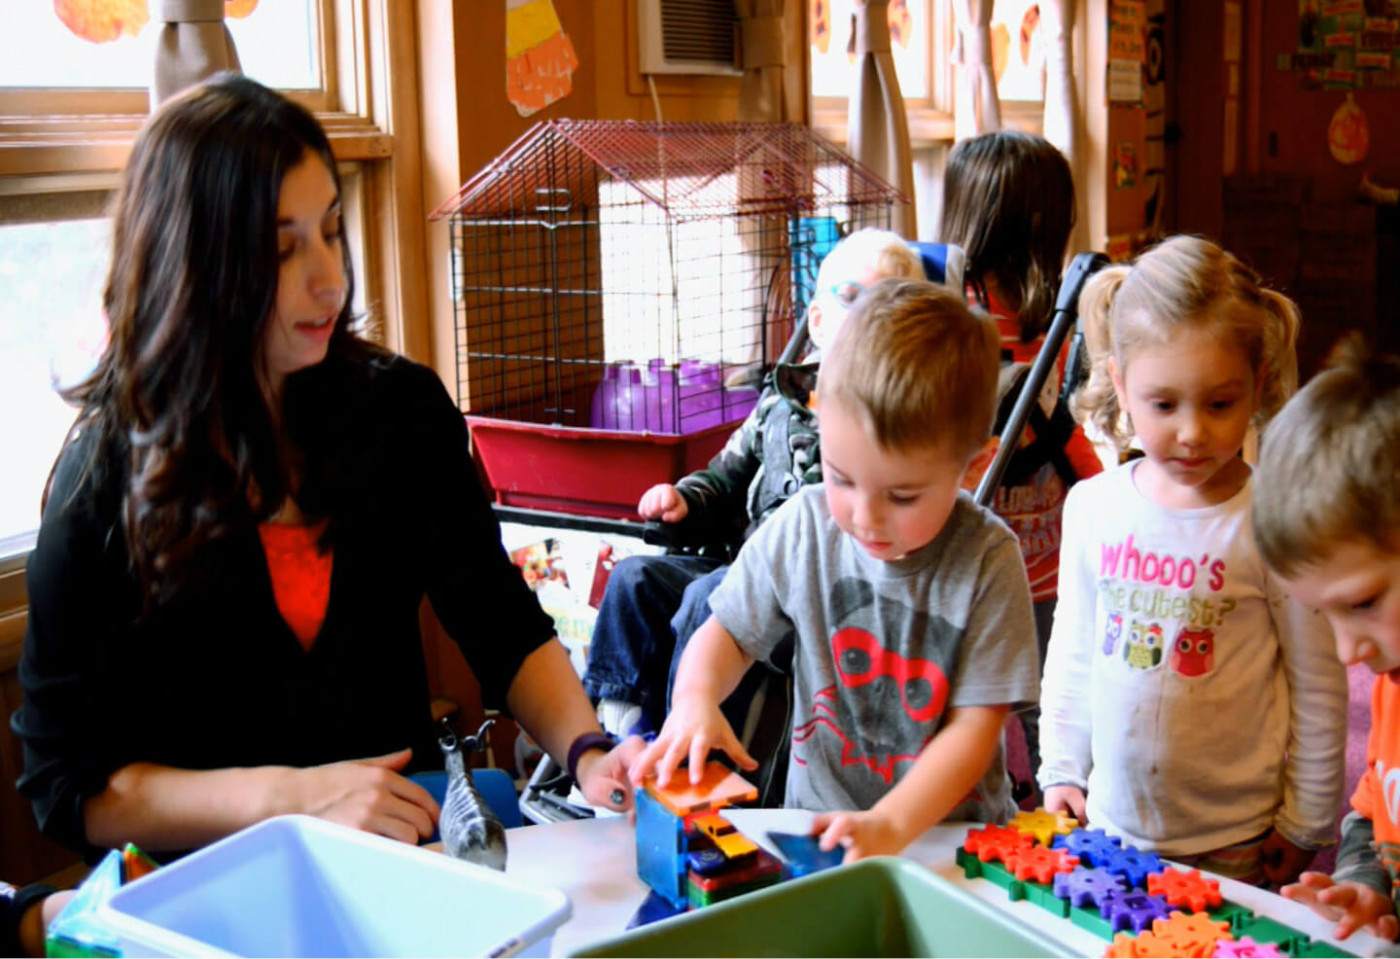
(909, 603)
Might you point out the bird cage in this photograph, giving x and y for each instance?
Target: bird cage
(619, 289)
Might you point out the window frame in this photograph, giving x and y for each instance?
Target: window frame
(931, 116)
(55, 140)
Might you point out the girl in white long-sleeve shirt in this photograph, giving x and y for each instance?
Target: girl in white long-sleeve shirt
(1189, 705)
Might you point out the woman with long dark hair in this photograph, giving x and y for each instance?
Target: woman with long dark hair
(224, 595)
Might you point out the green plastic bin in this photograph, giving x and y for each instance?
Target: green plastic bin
(876, 907)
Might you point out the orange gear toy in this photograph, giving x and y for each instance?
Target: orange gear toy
(996, 843)
(1190, 935)
(1134, 947)
(1040, 863)
(1185, 889)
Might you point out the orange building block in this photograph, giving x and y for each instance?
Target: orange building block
(718, 787)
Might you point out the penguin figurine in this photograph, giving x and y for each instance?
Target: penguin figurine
(470, 829)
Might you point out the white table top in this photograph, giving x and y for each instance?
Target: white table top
(594, 862)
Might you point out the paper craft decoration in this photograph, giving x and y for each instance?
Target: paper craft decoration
(1349, 135)
(102, 21)
(540, 59)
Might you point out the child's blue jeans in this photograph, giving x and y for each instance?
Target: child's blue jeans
(650, 609)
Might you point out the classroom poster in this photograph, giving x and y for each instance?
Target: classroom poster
(1127, 51)
(1346, 44)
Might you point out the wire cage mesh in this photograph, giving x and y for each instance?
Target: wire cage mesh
(640, 277)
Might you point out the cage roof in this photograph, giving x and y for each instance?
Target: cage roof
(681, 167)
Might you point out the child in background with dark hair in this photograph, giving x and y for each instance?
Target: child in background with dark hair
(907, 602)
(1327, 519)
(1008, 201)
(1191, 706)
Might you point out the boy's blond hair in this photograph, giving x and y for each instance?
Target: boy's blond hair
(917, 365)
(1184, 281)
(880, 251)
(1327, 471)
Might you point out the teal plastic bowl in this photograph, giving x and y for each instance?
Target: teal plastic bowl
(876, 907)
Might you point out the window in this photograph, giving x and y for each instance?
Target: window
(676, 287)
(923, 38)
(1018, 52)
(278, 43)
(51, 331)
(69, 109)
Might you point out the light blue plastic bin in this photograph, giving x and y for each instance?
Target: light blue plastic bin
(300, 886)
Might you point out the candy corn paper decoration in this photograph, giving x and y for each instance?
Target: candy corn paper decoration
(540, 60)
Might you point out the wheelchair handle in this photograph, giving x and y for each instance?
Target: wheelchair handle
(1062, 319)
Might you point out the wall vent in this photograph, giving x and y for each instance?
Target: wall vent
(688, 37)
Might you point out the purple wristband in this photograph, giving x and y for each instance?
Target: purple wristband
(583, 744)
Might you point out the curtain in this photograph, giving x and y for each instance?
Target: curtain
(877, 131)
(762, 96)
(193, 44)
(976, 109)
(1061, 110)
(1062, 121)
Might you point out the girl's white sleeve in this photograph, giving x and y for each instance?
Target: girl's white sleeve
(1314, 776)
(1066, 723)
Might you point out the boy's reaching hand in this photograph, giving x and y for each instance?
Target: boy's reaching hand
(1282, 860)
(1355, 905)
(664, 502)
(692, 729)
(862, 834)
(1068, 799)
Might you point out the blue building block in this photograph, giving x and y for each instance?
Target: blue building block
(661, 849)
(803, 853)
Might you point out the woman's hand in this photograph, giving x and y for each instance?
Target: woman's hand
(1068, 799)
(664, 502)
(366, 794)
(602, 777)
(1354, 905)
(861, 834)
(692, 729)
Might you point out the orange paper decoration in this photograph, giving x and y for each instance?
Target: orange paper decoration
(238, 9)
(1349, 135)
(821, 25)
(101, 21)
(901, 23)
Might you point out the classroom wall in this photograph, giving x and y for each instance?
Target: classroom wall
(1292, 136)
(1255, 172)
(468, 121)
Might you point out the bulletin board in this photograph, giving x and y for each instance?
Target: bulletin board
(1346, 45)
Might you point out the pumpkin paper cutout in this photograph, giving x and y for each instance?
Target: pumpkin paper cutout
(900, 21)
(102, 21)
(1001, 50)
(821, 25)
(1349, 135)
(1029, 24)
